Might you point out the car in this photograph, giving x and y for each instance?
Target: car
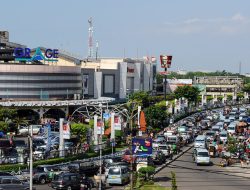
(25, 130)
(66, 181)
(231, 128)
(41, 174)
(158, 157)
(201, 156)
(118, 175)
(200, 141)
(166, 149)
(12, 183)
(157, 142)
(223, 136)
(210, 135)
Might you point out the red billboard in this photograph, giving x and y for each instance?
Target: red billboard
(165, 61)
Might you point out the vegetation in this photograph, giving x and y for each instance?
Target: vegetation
(16, 167)
(246, 88)
(6, 119)
(156, 115)
(146, 173)
(80, 130)
(173, 184)
(191, 93)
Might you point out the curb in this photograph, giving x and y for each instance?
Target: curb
(174, 158)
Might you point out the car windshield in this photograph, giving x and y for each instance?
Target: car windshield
(199, 141)
(114, 171)
(231, 128)
(210, 134)
(203, 154)
(223, 135)
(163, 147)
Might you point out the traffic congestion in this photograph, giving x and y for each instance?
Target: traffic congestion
(221, 133)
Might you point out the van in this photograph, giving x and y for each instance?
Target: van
(201, 156)
(200, 142)
(118, 175)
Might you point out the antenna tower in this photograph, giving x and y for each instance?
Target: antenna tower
(90, 46)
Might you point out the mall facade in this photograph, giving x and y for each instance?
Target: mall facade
(68, 77)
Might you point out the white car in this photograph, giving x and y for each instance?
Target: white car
(201, 156)
(223, 136)
(25, 130)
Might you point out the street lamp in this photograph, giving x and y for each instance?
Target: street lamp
(100, 149)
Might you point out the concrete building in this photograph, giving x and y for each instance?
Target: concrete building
(114, 77)
(220, 85)
(68, 77)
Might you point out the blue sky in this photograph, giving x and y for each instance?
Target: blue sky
(200, 34)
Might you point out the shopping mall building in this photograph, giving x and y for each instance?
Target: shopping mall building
(45, 74)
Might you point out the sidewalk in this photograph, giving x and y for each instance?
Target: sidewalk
(236, 168)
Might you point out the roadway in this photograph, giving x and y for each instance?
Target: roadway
(192, 177)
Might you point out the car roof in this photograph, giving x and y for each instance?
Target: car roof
(201, 150)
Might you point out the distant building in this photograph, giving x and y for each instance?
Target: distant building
(220, 85)
(172, 84)
(35, 77)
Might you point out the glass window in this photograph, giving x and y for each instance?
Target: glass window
(6, 181)
(114, 171)
(108, 84)
(16, 181)
(203, 154)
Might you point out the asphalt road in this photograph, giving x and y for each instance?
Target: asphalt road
(192, 177)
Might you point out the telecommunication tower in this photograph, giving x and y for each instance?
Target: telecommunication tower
(90, 49)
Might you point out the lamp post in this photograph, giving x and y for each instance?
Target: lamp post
(31, 156)
(100, 148)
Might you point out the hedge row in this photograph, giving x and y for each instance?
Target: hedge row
(16, 167)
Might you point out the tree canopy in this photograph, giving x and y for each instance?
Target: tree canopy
(191, 93)
(246, 88)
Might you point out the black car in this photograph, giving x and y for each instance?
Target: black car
(67, 181)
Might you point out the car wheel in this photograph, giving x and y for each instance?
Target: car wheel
(69, 188)
(42, 180)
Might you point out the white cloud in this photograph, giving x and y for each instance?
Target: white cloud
(236, 24)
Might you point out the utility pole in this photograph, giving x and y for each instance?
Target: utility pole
(100, 147)
(31, 156)
(165, 84)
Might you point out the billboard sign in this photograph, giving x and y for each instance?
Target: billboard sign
(100, 127)
(66, 130)
(24, 54)
(117, 123)
(166, 61)
(142, 146)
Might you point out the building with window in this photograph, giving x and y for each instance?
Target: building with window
(220, 85)
(69, 77)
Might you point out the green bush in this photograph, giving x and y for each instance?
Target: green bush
(16, 167)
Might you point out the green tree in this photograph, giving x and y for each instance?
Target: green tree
(191, 93)
(246, 88)
(155, 115)
(229, 97)
(146, 173)
(79, 129)
(140, 97)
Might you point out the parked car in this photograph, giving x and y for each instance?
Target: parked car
(66, 181)
(12, 183)
(25, 130)
(41, 174)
